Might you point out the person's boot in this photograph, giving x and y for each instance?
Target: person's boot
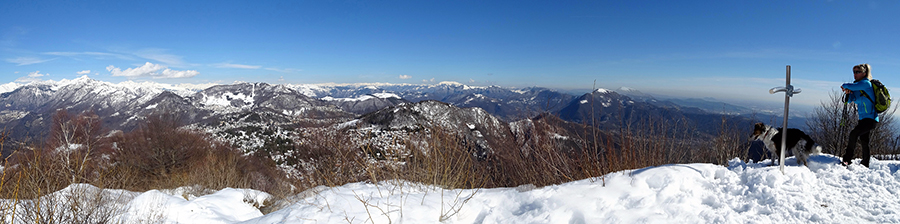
(846, 161)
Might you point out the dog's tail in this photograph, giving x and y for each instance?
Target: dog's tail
(817, 150)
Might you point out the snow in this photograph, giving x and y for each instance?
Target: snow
(156, 206)
(9, 87)
(627, 89)
(68, 148)
(363, 97)
(360, 98)
(307, 89)
(824, 192)
(294, 113)
(450, 83)
(226, 206)
(351, 123)
(558, 136)
(678, 193)
(225, 99)
(386, 95)
(602, 90)
(108, 94)
(183, 89)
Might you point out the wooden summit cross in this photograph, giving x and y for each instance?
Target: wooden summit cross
(789, 91)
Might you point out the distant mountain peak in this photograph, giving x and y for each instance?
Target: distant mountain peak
(450, 83)
(9, 87)
(635, 94)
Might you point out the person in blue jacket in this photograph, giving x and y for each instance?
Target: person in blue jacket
(868, 117)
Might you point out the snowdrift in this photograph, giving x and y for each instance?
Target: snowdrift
(824, 192)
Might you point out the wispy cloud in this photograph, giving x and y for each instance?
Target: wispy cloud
(230, 65)
(89, 54)
(11, 36)
(27, 60)
(32, 77)
(405, 77)
(155, 55)
(84, 72)
(162, 56)
(284, 70)
(152, 70)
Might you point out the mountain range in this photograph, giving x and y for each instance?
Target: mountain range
(253, 115)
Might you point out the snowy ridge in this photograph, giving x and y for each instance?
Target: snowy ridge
(363, 97)
(9, 87)
(824, 192)
(183, 89)
(104, 94)
(678, 193)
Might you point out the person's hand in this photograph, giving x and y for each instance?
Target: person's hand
(846, 91)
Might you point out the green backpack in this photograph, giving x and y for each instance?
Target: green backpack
(882, 99)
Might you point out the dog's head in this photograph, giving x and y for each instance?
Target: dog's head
(758, 130)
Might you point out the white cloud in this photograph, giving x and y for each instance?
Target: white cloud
(84, 72)
(405, 77)
(471, 80)
(27, 60)
(36, 74)
(428, 81)
(152, 70)
(229, 65)
(32, 77)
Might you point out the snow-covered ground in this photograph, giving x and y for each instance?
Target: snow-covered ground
(824, 192)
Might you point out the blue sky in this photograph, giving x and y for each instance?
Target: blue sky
(721, 49)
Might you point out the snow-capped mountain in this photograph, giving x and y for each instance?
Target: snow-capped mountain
(26, 111)
(478, 130)
(33, 104)
(366, 103)
(247, 97)
(635, 94)
(505, 103)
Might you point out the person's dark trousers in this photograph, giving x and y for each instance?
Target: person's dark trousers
(861, 132)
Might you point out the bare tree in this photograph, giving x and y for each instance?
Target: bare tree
(159, 147)
(75, 139)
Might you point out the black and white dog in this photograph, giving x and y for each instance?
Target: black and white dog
(800, 144)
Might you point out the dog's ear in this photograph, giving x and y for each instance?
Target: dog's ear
(759, 126)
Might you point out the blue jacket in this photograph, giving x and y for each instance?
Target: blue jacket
(864, 106)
